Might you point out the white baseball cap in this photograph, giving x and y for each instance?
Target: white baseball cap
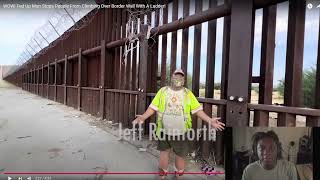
(178, 71)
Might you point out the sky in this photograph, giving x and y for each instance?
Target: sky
(18, 26)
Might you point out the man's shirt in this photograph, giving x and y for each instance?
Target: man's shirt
(284, 170)
(173, 103)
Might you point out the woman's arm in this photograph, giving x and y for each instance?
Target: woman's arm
(141, 118)
(214, 122)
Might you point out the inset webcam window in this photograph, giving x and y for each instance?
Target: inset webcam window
(272, 153)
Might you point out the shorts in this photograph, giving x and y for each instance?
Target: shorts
(180, 146)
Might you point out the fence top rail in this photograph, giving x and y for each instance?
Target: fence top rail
(72, 86)
(122, 91)
(90, 88)
(212, 101)
(285, 109)
(72, 56)
(201, 100)
(151, 94)
(91, 50)
(61, 60)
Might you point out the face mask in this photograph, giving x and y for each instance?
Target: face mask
(177, 82)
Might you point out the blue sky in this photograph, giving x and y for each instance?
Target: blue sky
(18, 26)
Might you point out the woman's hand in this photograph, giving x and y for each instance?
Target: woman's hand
(215, 123)
(139, 120)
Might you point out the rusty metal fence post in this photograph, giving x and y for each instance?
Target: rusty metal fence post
(37, 72)
(261, 118)
(48, 80)
(79, 77)
(311, 120)
(142, 95)
(102, 78)
(294, 61)
(55, 80)
(242, 13)
(65, 79)
(42, 80)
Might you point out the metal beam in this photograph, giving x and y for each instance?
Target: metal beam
(311, 120)
(32, 48)
(102, 78)
(142, 97)
(79, 78)
(209, 88)
(70, 16)
(294, 60)
(55, 80)
(44, 38)
(242, 20)
(65, 79)
(54, 28)
(261, 118)
(37, 43)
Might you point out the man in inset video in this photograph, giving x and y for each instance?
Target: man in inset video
(270, 165)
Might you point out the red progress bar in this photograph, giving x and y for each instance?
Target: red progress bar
(70, 173)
